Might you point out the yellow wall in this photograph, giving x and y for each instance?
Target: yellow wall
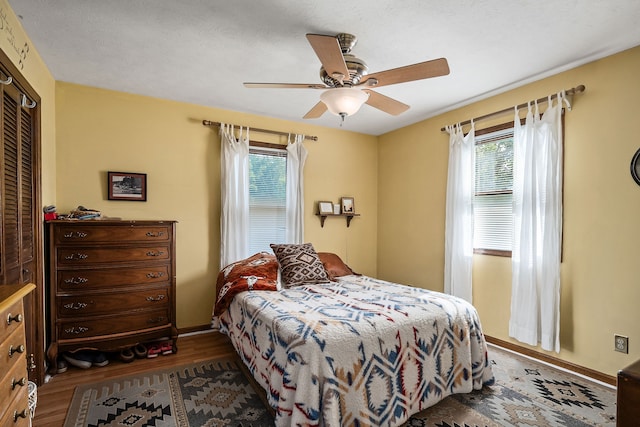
(100, 131)
(16, 44)
(600, 285)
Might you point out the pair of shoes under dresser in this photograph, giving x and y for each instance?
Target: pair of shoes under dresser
(111, 284)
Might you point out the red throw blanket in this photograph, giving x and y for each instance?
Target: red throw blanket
(256, 273)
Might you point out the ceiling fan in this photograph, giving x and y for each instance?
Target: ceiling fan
(347, 81)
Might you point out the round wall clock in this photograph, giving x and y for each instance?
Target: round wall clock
(635, 167)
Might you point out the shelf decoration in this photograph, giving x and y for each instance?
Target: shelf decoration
(348, 206)
(345, 209)
(325, 208)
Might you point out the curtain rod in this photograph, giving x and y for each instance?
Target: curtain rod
(273, 132)
(570, 92)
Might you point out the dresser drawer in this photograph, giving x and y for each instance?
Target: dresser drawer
(123, 302)
(110, 325)
(100, 278)
(12, 383)
(17, 414)
(12, 319)
(80, 234)
(67, 256)
(12, 349)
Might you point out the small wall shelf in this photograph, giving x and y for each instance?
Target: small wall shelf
(348, 216)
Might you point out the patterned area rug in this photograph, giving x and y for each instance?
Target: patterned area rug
(212, 393)
(526, 393)
(216, 393)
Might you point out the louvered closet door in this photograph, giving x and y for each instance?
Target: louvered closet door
(18, 262)
(11, 249)
(27, 177)
(17, 191)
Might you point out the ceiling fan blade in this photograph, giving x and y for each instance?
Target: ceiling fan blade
(328, 50)
(422, 70)
(317, 111)
(386, 104)
(285, 85)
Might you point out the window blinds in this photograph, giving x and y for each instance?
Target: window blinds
(493, 219)
(267, 198)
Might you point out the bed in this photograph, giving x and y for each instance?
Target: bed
(348, 349)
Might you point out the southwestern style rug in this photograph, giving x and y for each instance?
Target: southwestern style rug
(216, 393)
(212, 393)
(526, 394)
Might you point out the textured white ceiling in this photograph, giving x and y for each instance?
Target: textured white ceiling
(201, 51)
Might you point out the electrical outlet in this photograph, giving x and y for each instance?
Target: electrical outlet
(621, 344)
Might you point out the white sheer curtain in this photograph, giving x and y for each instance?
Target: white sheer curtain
(458, 258)
(296, 157)
(537, 209)
(234, 178)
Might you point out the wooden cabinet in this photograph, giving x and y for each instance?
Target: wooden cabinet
(14, 395)
(628, 405)
(112, 284)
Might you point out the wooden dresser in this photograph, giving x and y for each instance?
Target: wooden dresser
(628, 404)
(14, 395)
(112, 284)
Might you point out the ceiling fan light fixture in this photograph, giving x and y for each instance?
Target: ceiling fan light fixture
(344, 101)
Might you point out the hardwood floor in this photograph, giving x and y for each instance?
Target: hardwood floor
(55, 396)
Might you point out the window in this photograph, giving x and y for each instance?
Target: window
(492, 204)
(267, 196)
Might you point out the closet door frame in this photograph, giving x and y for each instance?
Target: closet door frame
(31, 271)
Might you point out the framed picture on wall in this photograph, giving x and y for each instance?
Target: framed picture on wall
(127, 186)
(325, 208)
(348, 206)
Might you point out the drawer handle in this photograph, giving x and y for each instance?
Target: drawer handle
(76, 305)
(22, 414)
(21, 382)
(155, 253)
(155, 275)
(155, 299)
(76, 330)
(18, 349)
(155, 233)
(76, 256)
(160, 319)
(16, 318)
(76, 280)
(75, 235)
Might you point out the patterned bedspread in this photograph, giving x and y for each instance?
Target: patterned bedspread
(358, 352)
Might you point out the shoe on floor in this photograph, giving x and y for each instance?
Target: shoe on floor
(81, 359)
(153, 351)
(126, 355)
(98, 358)
(61, 366)
(166, 348)
(140, 350)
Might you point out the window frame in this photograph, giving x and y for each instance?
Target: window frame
(492, 129)
(507, 125)
(266, 148)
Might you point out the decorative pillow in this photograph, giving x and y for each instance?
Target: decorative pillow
(334, 265)
(259, 272)
(299, 264)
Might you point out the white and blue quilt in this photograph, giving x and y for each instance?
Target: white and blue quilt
(360, 351)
